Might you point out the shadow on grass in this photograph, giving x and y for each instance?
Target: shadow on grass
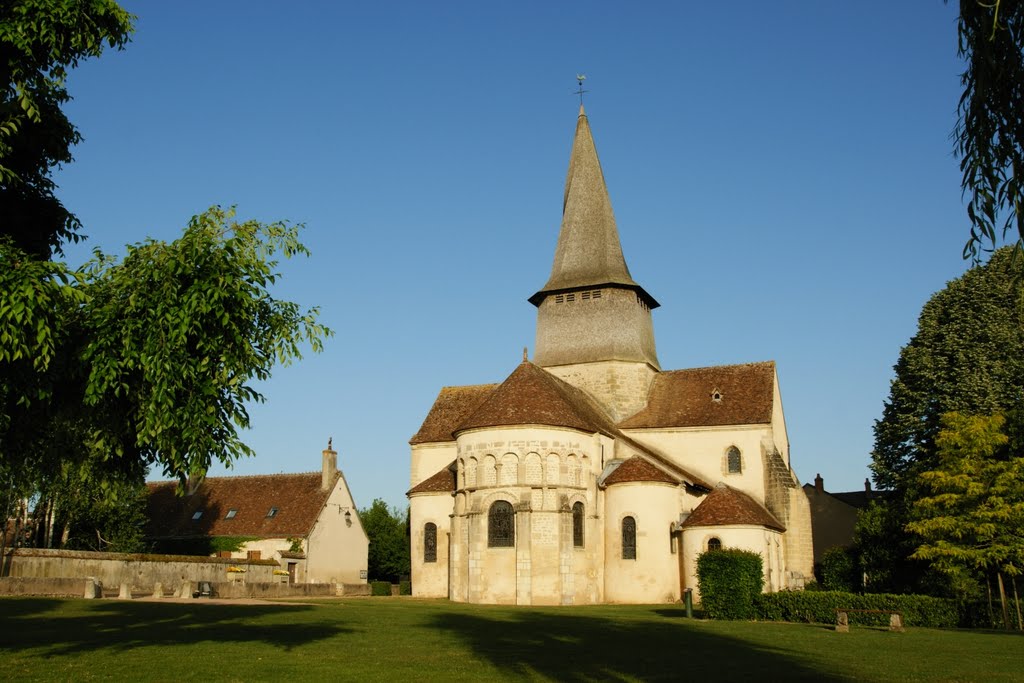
(586, 648)
(64, 627)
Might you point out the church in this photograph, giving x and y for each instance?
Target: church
(590, 475)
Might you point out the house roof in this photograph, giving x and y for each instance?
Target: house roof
(636, 469)
(705, 397)
(296, 498)
(452, 406)
(441, 482)
(726, 506)
(589, 252)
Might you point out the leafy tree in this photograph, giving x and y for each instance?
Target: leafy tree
(388, 531)
(40, 40)
(967, 356)
(989, 134)
(971, 514)
(840, 570)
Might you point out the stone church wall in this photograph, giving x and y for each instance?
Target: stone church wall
(653, 576)
(620, 387)
(429, 579)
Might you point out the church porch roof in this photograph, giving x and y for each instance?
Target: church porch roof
(440, 482)
(636, 469)
(452, 406)
(726, 506)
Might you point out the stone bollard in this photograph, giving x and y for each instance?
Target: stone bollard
(93, 589)
(158, 590)
(842, 622)
(126, 591)
(186, 590)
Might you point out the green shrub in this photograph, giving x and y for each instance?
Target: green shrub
(405, 587)
(729, 580)
(820, 607)
(840, 571)
(380, 588)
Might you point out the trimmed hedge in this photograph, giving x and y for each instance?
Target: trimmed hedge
(839, 570)
(820, 607)
(729, 580)
(405, 587)
(380, 588)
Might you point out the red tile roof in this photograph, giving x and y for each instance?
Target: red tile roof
(685, 398)
(297, 497)
(452, 406)
(726, 505)
(442, 482)
(637, 469)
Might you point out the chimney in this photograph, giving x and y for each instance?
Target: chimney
(819, 483)
(330, 467)
(867, 486)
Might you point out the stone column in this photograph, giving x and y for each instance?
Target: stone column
(524, 557)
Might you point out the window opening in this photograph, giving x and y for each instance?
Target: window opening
(577, 525)
(430, 542)
(714, 544)
(196, 515)
(733, 457)
(501, 525)
(272, 512)
(629, 538)
(231, 514)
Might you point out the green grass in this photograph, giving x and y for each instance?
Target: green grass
(388, 639)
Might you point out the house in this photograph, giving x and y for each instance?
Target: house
(307, 521)
(834, 515)
(590, 474)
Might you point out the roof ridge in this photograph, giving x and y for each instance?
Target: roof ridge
(242, 476)
(717, 367)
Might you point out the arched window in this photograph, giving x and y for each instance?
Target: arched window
(501, 531)
(577, 525)
(430, 542)
(628, 538)
(733, 458)
(714, 544)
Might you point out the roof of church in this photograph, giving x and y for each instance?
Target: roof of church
(452, 406)
(442, 482)
(705, 397)
(532, 395)
(589, 252)
(296, 499)
(637, 469)
(726, 505)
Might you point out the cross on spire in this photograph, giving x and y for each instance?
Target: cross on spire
(579, 79)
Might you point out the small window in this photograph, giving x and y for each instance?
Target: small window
(570, 297)
(231, 514)
(597, 293)
(430, 542)
(734, 461)
(577, 525)
(501, 532)
(559, 298)
(629, 538)
(714, 544)
(272, 512)
(716, 396)
(196, 515)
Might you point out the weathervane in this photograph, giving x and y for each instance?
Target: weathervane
(579, 79)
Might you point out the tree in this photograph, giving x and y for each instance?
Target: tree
(967, 356)
(40, 40)
(989, 134)
(971, 514)
(388, 531)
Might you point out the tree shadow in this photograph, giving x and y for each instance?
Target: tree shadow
(572, 647)
(121, 625)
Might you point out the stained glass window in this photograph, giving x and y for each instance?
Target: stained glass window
(629, 538)
(501, 532)
(714, 544)
(733, 456)
(577, 525)
(430, 542)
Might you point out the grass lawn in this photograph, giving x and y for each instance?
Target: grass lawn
(391, 639)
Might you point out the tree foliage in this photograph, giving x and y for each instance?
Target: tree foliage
(989, 134)
(40, 40)
(388, 531)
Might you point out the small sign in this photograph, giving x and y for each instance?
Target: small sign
(362, 573)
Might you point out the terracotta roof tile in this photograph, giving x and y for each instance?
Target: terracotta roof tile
(726, 505)
(442, 482)
(297, 497)
(452, 406)
(637, 469)
(684, 398)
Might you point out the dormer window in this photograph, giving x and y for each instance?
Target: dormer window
(716, 396)
(272, 512)
(196, 515)
(231, 514)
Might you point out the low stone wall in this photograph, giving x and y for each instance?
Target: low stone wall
(140, 572)
(61, 588)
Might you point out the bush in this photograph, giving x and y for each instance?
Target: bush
(839, 570)
(405, 587)
(729, 580)
(820, 607)
(380, 588)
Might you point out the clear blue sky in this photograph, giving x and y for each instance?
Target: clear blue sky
(781, 174)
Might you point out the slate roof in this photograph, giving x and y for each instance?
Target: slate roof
(452, 406)
(297, 497)
(589, 252)
(684, 398)
(726, 505)
(637, 469)
(442, 482)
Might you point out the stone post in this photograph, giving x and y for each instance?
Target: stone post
(93, 589)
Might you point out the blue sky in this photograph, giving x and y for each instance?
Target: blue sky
(781, 174)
